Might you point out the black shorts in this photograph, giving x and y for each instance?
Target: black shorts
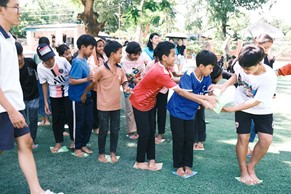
(263, 123)
(8, 132)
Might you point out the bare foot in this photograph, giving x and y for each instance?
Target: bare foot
(246, 179)
(56, 148)
(72, 146)
(180, 172)
(253, 176)
(47, 123)
(96, 131)
(113, 157)
(188, 170)
(141, 165)
(79, 153)
(65, 133)
(152, 165)
(86, 150)
(102, 158)
(250, 152)
(195, 146)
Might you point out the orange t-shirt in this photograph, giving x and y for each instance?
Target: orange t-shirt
(108, 87)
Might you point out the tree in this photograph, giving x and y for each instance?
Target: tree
(90, 18)
(221, 10)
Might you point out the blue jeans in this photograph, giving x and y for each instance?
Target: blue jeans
(31, 110)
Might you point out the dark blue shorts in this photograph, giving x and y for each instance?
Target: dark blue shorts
(263, 123)
(8, 132)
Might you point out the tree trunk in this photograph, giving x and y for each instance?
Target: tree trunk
(89, 18)
(139, 33)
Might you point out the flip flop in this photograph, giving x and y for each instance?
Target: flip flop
(84, 156)
(238, 179)
(108, 158)
(60, 150)
(185, 176)
(135, 166)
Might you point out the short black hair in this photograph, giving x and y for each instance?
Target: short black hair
(112, 47)
(133, 48)
(44, 40)
(150, 44)
(62, 49)
(86, 40)
(19, 48)
(217, 71)
(250, 56)
(3, 3)
(163, 48)
(205, 58)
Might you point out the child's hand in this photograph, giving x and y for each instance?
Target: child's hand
(207, 104)
(90, 76)
(212, 100)
(128, 90)
(83, 98)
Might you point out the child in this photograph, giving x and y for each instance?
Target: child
(53, 74)
(108, 78)
(65, 51)
(29, 81)
(143, 100)
(134, 66)
(80, 77)
(97, 59)
(253, 101)
(182, 111)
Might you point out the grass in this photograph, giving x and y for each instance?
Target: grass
(216, 166)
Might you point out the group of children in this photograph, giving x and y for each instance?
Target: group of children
(70, 88)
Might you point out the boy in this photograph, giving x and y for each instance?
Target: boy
(12, 120)
(143, 100)
(253, 101)
(28, 81)
(53, 74)
(108, 78)
(79, 79)
(182, 110)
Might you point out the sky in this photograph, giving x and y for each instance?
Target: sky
(280, 10)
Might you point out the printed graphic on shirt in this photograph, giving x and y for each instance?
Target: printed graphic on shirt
(250, 90)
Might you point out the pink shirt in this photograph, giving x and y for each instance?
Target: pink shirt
(145, 92)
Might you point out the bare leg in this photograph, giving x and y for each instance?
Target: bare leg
(27, 163)
(259, 151)
(241, 152)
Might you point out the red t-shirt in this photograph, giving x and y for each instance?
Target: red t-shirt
(145, 92)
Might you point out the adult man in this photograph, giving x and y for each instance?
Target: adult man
(12, 121)
(253, 101)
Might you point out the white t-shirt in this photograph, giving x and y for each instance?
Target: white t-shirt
(9, 72)
(57, 77)
(260, 87)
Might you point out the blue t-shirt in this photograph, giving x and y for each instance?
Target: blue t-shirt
(149, 52)
(79, 70)
(181, 107)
